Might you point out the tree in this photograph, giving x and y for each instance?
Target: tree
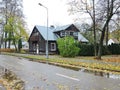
(109, 9)
(15, 31)
(82, 7)
(19, 45)
(68, 46)
(101, 13)
(13, 19)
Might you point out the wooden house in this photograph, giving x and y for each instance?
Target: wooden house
(38, 38)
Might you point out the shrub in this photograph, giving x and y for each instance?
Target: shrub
(68, 46)
(88, 50)
(114, 48)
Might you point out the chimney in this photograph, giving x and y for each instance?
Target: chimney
(52, 27)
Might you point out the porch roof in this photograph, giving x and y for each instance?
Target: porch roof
(81, 38)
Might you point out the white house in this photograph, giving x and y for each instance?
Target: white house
(110, 41)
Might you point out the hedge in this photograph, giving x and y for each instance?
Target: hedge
(88, 50)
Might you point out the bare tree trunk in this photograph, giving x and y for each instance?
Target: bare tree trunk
(101, 44)
(9, 41)
(94, 27)
(107, 31)
(6, 22)
(5, 40)
(110, 14)
(107, 34)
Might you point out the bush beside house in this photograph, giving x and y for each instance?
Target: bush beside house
(68, 46)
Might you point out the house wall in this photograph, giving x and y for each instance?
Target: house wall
(36, 41)
(37, 44)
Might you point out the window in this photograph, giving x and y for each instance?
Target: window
(53, 46)
(67, 33)
(36, 34)
(62, 33)
(75, 33)
(71, 33)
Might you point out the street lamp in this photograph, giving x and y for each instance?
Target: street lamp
(47, 30)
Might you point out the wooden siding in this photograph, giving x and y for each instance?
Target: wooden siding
(38, 42)
(72, 28)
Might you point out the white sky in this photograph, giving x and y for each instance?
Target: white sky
(36, 15)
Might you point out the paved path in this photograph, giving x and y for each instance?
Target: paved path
(39, 76)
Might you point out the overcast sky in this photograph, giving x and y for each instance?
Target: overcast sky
(36, 15)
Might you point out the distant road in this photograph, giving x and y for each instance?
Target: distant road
(39, 76)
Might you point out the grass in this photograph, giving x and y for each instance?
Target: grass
(107, 64)
(113, 58)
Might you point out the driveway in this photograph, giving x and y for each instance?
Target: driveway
(40, 76)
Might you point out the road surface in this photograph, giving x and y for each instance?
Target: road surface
(1, 87)
(40, 76)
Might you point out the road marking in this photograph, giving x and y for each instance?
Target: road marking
(67, 77)
(20, 63)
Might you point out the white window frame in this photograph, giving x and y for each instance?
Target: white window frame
(67, 33)
(72, 33)
(75, 33)
(62, 33)
(53, 46)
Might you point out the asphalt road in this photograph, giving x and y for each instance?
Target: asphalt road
(1, 87)
(39, 76)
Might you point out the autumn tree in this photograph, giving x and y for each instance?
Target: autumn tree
(13, 21)
(101, 13)
(15, 31)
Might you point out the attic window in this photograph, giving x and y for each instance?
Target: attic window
(36, 34)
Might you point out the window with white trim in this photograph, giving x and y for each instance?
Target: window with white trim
(75, 33)
(71, 33)
(62, 33)
(53, 46)
(67, 33)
